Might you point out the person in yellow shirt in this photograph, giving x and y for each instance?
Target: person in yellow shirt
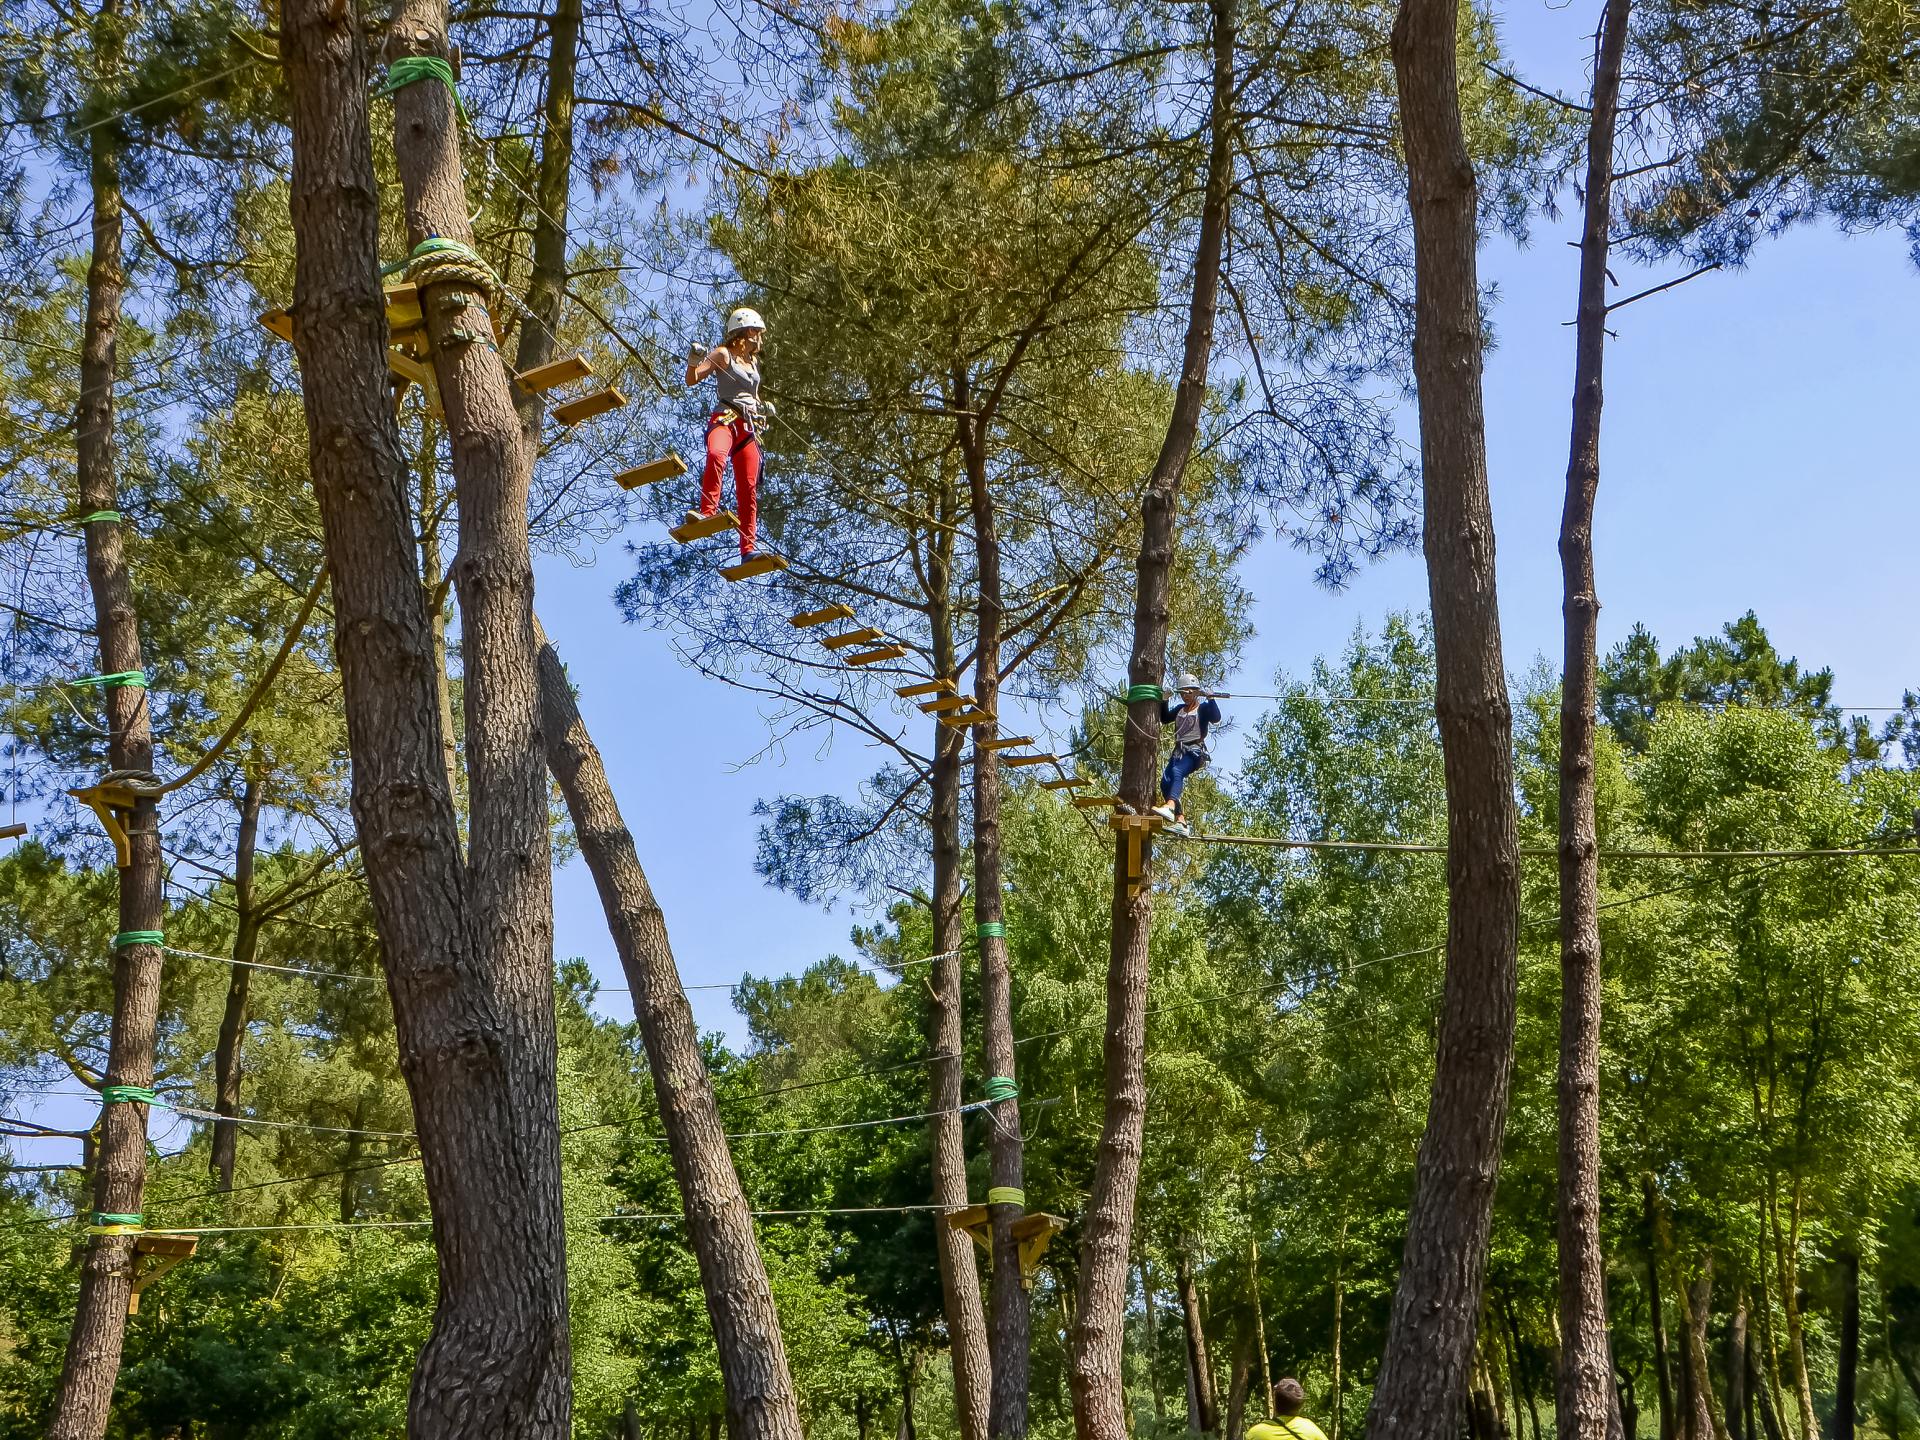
(1287, 1423)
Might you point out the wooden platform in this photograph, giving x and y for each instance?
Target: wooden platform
(1095, 802)
(1033, 1233)
(12, 832)
(944, 704)
(966, 719)
(153, 1256)
(1004, 742)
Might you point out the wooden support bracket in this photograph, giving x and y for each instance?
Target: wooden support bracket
(1136, 828)
(852, 637)
(820, 617)
(665, 468)
(403, 309)
(1035, 1232)
(762, 563)
(153, 1256)
(707, 525)
(555, 372)
(874, 657)
(113, 804)
(925, 687)
(974, 1221)
(588, 406)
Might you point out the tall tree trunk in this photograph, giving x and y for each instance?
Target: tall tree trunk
(1787, 1246)
(1239, 1376)
(959, 1280)
(467, 950)
(552, 187)
(1260, 1323)
(1337, 1401)
(1437, 1302)
(1695, 1298)
(761, 1402)
(1522, 1372)
(92, 1362)
(1846, 1383)
(1149, 1312)
(1099, 1335)
(1738, 1426)
(1761, 1400)
(1203, 1412)
(1662, 1361)
(1583, 1394)
(1763, 1294)
(233, 1019)
(1010, 1327)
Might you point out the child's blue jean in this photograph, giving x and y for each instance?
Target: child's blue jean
(1183, 764)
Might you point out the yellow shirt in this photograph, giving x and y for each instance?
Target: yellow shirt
(1294, 1427)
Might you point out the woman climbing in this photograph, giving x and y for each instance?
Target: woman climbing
(733, 427)
(1191, 716)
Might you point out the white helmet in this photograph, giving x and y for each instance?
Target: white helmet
(1188, 681)
(745, 318)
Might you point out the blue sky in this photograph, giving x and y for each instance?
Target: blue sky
(1758, 453)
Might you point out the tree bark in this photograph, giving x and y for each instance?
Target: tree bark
(761, 1402)
(959, 1280)
(1203, 1413)
(92, 1362)
(552, 187)
(1699, 1404)
(1437, 1302)
(1099, 1335)
(233, 1019)
(467, 950)
(1010, 1322)
(1846, 1383)
(1583, 1392)
(1736, 1368)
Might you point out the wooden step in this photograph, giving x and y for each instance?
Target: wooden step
(1018, 760)
(967, 718)
(874, 657)
(757, 564)
(1095, 802)
(821, 616)
(925, 687)
(555, 372)
(1004, 742)
(709, 525)
(1065, 782)
(280, 323)
(403, 308)
(588, 406)
(665, 468)
(852, 637)
(944, 704)
(13, 832)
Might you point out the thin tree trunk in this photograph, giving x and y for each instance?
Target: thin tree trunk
(1846, 1383)
(1437, 1302)
(467, 950)
(1260, 1323)
(1337, 1403)
(1099, 1335)
(1583, 1394)
(233, 1019)
(1203, 1412)
(1149, 1311)
(1738, 1424)
(1010, 1323)
(1239, 1376)
(1484, 1420)
(1756, 1388)
(1704, 1421)
(959, 1280)
(1522, 1376)
(1662, 1361)
(1787, 1245)
(92, 1362)
(1770, 1352)
(761, 1402)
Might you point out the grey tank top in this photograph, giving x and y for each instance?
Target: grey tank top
(1186, 730)
(737, 385)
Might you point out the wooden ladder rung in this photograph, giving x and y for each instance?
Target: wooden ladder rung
(1095, 802)
(821, 616)
(944, 703)
(1004, 742)
(1017, 760)
(13, 832)
(852, 637)
(759, 564)
(707, 525)
(966, 718)
(925, 687)
(555, 372)
(588, 406)
(874, 657)
(665, 468)
(1065, 782)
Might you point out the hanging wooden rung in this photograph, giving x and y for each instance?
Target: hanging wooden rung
(967, 718)
(706, 525)
(925, 687)
(821, 616)
(1065, 782)
(153, 1256)
(555, 372)
(1017, 760)
(13, 832)
(665, 468)
(1095, 802)
(874, 657)
(588, 406)
(945, 703)
(1004, 742)
(851, 637)
(762, 563)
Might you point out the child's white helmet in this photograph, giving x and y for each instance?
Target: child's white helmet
(745, 318)
(1188, 681)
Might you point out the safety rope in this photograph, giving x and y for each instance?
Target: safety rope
(1137, 693)
(138, 937)
(125, 679)
(1000, 1087)
(412, 69)
(129, 1095)
(106, 1222)
(991, 929)
(1007, 1195)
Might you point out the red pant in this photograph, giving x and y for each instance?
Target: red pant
(738, 441)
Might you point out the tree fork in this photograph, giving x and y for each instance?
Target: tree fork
(1584, 1397)
(91, 1367)
(1099, 1329)
(1436, 1306)
(761, 1403)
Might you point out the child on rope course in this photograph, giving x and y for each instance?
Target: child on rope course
(733, 427)
(1190, 716)
(1288, 1423)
